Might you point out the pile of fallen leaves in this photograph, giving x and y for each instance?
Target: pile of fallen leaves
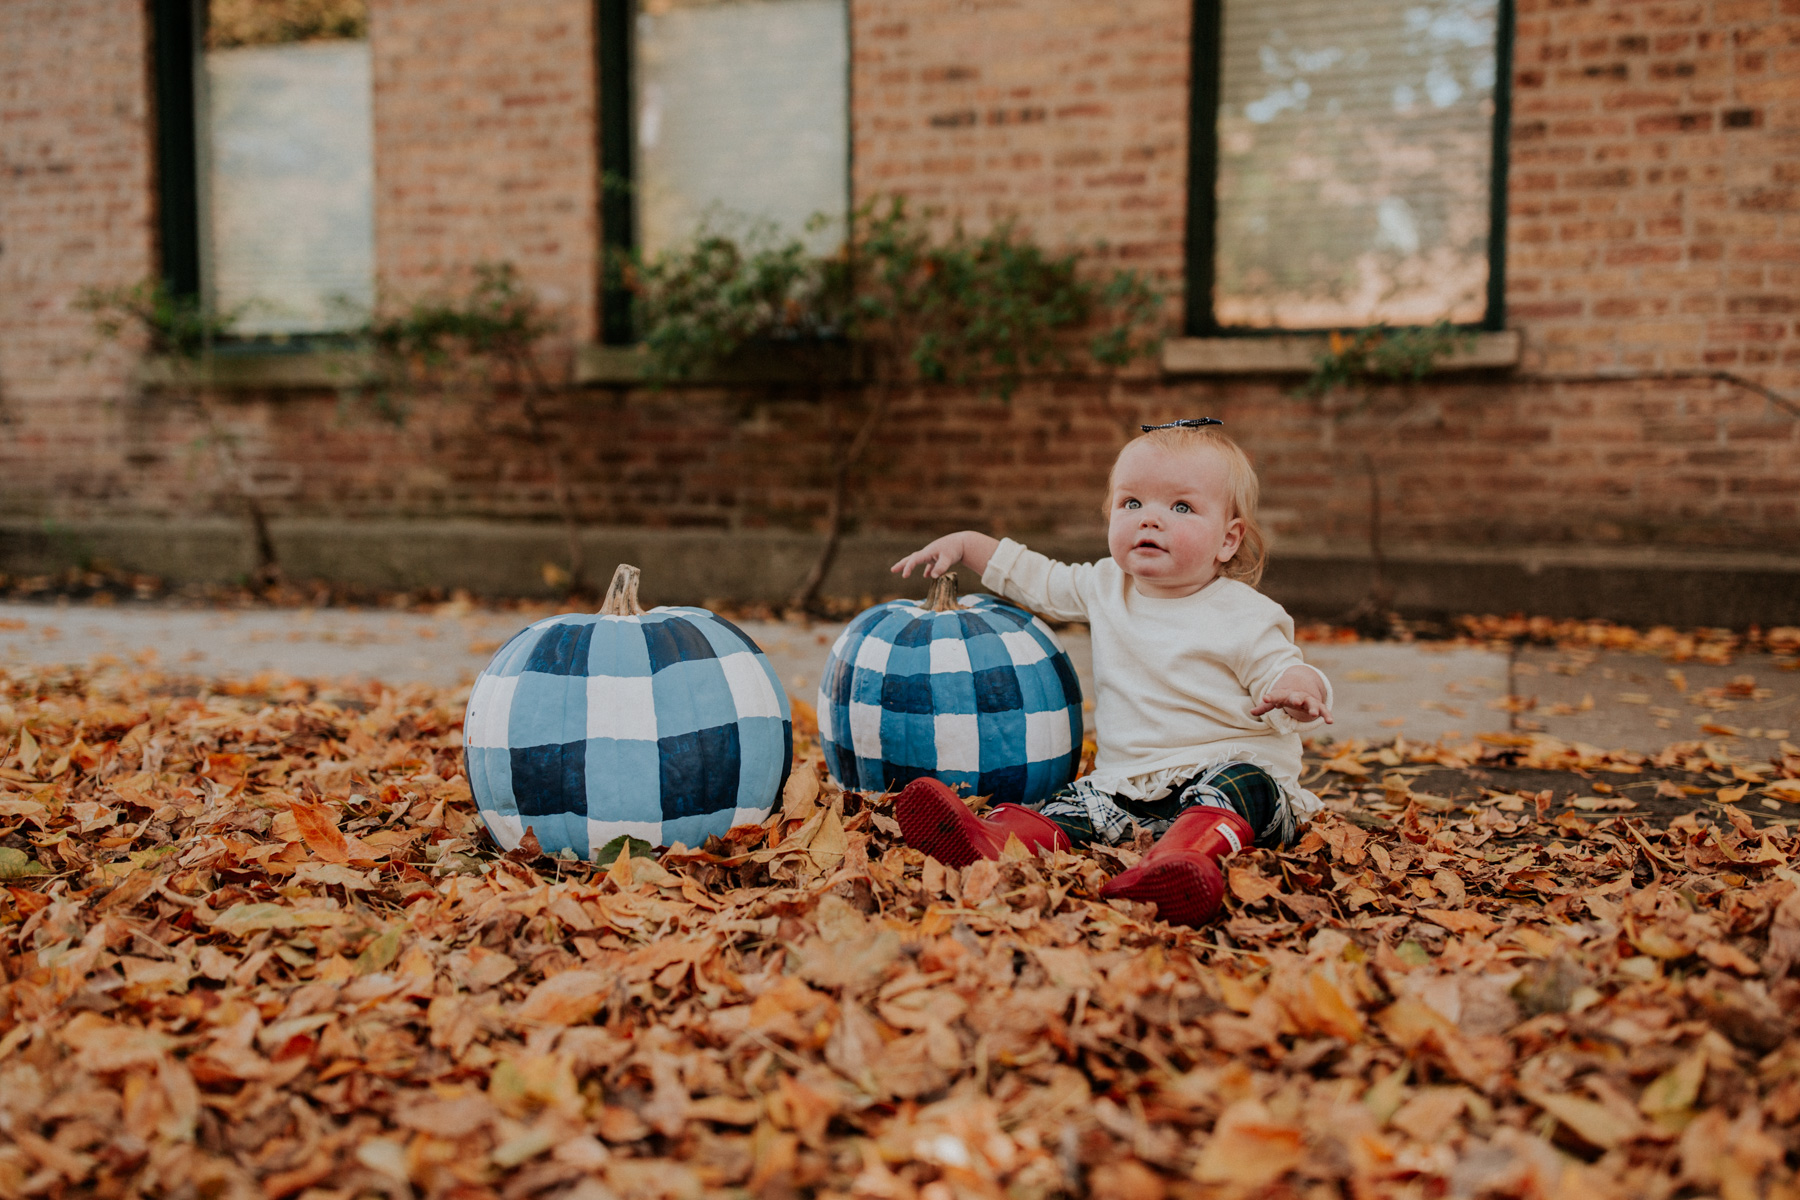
(1707, 645)
(256, 943)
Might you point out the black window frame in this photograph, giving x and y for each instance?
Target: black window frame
(615, 59)
(177, 44)
(175, 32)
(1207, 68)
(615, 46)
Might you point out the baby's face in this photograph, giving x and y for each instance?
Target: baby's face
(1171, 524)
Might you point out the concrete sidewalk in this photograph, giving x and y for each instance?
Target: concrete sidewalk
(1421, 691)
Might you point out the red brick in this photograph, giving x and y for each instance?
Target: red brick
(1633, 185)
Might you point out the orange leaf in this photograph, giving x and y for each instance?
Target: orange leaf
(1250, 885)
(319, 828)
(1249, 1148)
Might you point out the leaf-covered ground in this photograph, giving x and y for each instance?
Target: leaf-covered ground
(255, 942)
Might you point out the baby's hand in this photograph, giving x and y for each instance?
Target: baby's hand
(967, 546)
(1299, 694)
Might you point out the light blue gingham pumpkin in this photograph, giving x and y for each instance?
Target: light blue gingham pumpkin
(978, 694)
(668, 725)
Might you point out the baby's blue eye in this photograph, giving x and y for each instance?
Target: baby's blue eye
(1133, 504)
(1182, 507)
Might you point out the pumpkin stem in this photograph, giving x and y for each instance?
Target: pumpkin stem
(621, 594)
(943, 594)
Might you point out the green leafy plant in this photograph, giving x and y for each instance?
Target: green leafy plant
(988, 309)
(477, 346)
(700, 305)
(180, 332)
(167, 325)
(1377, 353)
(985, 308)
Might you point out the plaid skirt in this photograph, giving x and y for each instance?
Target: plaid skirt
(1089, 815)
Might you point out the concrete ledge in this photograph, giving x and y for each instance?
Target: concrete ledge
(1641, 586)
(767, 362)
(247, 370)
(1298, 354)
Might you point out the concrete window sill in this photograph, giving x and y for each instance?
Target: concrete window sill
(771, 362)
(598, 365)
(1297, 354)
(254, 370)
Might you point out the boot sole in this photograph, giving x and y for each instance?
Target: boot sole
(933, 820)
(1185, 891)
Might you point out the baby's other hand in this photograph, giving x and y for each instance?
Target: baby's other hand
(936, 558)
(1297, 693)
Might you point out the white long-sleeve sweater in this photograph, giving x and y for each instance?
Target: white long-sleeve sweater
(1175, 680)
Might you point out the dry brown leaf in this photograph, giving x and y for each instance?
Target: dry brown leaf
(1249, 1148)
(1596, 1124)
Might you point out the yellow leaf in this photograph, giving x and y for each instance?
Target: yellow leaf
(1593, 1123)
(379, 952)
(1387, 1094)
(28, 751)
(1656, 943)
(1676, 1089)
(241, 919)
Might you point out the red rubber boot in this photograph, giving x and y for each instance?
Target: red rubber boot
(933, 819)
(1181, 873)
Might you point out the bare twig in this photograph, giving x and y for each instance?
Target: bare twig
(1768, 393)
(803, 596)
(525, 366)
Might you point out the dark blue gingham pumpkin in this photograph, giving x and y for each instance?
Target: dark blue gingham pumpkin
(978, 694)
(668, 725)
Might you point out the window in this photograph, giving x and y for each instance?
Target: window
(733, 113)
(1348, 164)
(267, 160)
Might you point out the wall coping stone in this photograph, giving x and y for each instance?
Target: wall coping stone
(259, 368)
(311, 367)
(1298, 354)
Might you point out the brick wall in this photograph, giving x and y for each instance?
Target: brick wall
(1656, 185)
(75, 211)
(1655, 214)
(486, 147)
(1068, 115)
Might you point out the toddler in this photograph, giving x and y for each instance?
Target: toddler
(1201, 693)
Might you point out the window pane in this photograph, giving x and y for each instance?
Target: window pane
(742, 115)
(290, 175)
(1355, 142)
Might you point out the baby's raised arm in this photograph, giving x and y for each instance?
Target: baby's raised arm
(967, 546)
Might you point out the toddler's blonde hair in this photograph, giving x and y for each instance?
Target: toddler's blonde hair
(1253, 551)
